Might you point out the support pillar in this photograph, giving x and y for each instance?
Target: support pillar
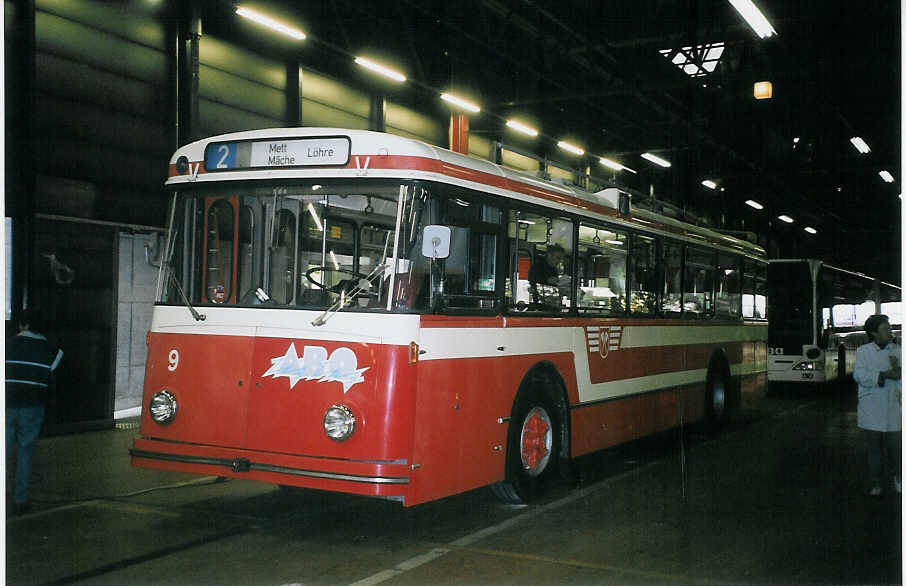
(188, 75)
(20, 164)
(378, 119)
(459, 133)
(293, 94)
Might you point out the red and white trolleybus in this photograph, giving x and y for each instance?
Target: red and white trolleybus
(360, 312)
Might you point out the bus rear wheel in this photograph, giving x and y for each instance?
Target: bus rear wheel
(721, 398)
(533, 446)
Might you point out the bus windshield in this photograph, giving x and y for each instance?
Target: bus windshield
(302, 244)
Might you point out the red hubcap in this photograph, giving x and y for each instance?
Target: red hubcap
(536, 441)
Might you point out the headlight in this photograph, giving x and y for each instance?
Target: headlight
(339, 423)
(805, 366)
(163, 407)
(812, 353)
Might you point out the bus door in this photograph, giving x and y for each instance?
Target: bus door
(221, 226)
(282, 226)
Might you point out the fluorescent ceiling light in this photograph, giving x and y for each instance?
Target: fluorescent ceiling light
(615, 166)
(753, 16)
(656, 159)
(754, 204)
(617, 242)
(785, 218)
(457, 101)
(886, 176)
(520, 127)
(709, 184)
(271, 23)
(378, 68)
(860, 145)
(810, 230)
(571, 148)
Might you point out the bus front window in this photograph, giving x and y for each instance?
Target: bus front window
(303, 245)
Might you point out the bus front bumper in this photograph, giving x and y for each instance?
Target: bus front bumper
(370, 478)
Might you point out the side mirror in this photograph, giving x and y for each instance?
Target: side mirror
(436, 242)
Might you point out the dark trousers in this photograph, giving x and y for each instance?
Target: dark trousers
(883, 455)
(23, 427)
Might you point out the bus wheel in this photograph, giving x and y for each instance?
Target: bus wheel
(533, 447)
(720, 399)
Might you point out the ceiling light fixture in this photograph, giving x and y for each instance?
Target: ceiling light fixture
(709, 184)
(754, 204)
(378, 68)
(785, 218)
(615, 166)
(571, 148)
(763, 90)
(860, 145)
(271, 23)
(457, 101)
(886, 176)
(656, 159)
(753, 16)
(520, 127)
(810, 230)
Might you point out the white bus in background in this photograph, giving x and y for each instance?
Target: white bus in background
(816, 316)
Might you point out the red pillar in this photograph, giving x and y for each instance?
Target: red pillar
(459, 133)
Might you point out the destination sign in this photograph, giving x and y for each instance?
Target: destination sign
(293, 152)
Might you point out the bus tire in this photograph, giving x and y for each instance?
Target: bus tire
(533, 444)
(721, 397)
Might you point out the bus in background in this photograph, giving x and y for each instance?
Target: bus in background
(360, 312)
(817, 312)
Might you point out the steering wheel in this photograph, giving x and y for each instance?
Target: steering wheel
(343, 284)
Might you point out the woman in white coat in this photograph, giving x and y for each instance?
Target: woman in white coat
(877, 373)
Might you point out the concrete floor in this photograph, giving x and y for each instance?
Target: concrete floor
(777, 498)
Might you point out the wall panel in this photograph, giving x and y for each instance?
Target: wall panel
(219, 118)
(86, 44)
(85, 83)
(122, 19)
(407, 122)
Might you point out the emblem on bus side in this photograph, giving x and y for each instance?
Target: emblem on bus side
(603, 339)
(341, 366)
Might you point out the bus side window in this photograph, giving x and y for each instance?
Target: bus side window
(643, 275)
(470, 272)
(754, 290)
(728, 286)
(698, 283)
(547, 285)
(671, 300)
(601, 270)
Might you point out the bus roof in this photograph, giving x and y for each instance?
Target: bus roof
(298, 153)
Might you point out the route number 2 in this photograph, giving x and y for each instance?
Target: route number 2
(174, 360)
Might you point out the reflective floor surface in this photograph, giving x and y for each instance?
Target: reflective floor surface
(779, 497)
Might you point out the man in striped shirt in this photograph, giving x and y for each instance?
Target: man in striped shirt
(30, 362)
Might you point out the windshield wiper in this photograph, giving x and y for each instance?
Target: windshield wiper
(192, 310)
(363, 286)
